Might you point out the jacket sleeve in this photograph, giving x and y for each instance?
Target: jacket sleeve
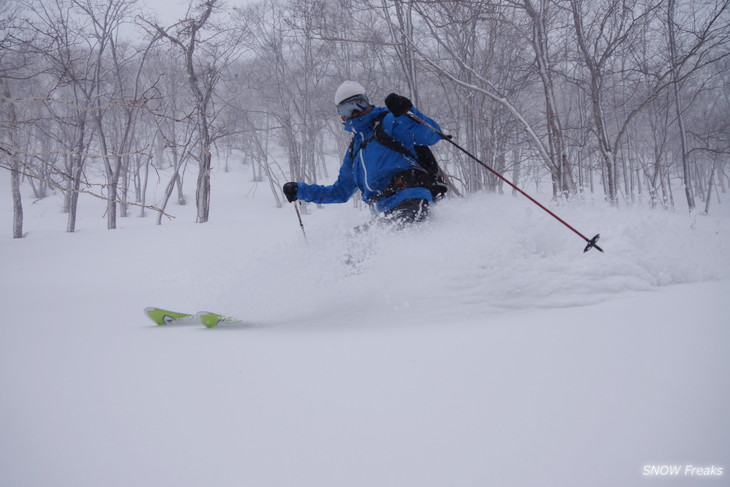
(406, 129)
(339, 192)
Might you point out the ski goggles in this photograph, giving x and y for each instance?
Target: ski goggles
(352, 106)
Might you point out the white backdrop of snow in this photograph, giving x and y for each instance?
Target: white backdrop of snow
(481, 348)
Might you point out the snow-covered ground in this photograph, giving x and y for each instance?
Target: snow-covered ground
(482, 348)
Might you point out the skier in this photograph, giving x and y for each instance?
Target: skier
(392, 181)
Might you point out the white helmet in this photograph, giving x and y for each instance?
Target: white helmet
(348, 89)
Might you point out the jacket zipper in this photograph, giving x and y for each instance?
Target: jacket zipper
(365, 173)
(362, 163)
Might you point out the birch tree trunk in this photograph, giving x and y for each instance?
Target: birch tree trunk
(402, 33)
(595, 70)
(678, 106)
(15, 166)
(202, 91)
(560, 170)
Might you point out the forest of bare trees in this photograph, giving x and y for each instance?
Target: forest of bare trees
(627, 100)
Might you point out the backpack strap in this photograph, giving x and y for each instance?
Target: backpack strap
(423, 155)
(351, 148)
(381, 136)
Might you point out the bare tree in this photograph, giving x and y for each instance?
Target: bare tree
(602, 33)
(10, 118)
(205, 57)
(114, 116)
(401, 25)
(70, 56)
(293, 67)
(537, 32)
(706, 34)
(476, 54)
(609, 35)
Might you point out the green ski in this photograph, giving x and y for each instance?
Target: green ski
(211, 320)
(165, 317)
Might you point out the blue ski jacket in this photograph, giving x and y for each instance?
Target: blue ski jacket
(371, 168)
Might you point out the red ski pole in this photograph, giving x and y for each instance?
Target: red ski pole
(592, 242)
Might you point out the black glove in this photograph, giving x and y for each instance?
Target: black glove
(397, 104)
(290, 191)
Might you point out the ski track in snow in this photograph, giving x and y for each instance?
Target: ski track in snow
(481, 348)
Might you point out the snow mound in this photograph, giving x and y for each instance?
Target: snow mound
(483, 254)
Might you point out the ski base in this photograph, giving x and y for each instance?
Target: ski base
(211, 320)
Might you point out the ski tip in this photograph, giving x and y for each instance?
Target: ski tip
(165, 317)
(155, 315)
